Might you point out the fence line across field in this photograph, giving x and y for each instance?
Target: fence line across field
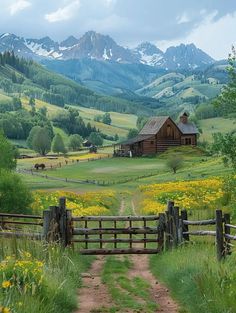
(87, 181)
(169, 229)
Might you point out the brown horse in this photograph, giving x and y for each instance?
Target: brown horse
(39, 166)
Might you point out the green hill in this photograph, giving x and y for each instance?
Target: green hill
(18, 76)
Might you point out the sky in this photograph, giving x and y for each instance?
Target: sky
(209, 24)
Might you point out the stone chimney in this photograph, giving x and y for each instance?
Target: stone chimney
(184, 118)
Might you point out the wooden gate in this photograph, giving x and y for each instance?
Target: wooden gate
(118, 234)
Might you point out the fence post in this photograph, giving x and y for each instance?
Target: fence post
(176, 226)
(161, 229)
(219, 235)
(62, 220)
(46, 224)
(167, 231)
(170, 209)
(227, 232)
(184, 217)
(69, 227)
(54, 230)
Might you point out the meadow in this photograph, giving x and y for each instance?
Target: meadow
(215, 125)
(42, 283)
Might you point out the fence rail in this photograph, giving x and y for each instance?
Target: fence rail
(167, 230)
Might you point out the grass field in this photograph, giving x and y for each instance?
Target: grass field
(116, 170)
(215, 125)
(121, 123)
(5, 99)
(52, 109)
(118, 119)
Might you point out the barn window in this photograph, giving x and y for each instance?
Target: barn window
(188, 141)
(152, 142)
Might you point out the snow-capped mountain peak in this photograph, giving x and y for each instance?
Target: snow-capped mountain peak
(93, 45)
(149, 54)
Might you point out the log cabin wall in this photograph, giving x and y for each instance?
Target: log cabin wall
(149, 146)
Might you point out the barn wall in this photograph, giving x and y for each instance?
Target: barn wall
(169, 131)
(149, 146)
(192, 137)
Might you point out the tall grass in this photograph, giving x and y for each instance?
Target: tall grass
(198, 282)
(61, 276)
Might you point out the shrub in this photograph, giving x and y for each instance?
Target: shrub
(7, 155)
(175, 162)
(14, 195)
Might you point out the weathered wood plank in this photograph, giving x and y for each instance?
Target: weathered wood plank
(230, 226)
(200, 233)
(115, 218)
(115, 240)
(21, 216)
(117, 251)
(98, 231)
(203, 222)
(228, 236)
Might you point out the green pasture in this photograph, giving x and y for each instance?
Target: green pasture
(118, 119)
(214, 125)
(116, 170)
(5, 99)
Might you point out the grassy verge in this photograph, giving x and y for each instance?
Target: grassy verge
(36, 278)
(197, 281)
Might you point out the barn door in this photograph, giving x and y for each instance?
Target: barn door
(170, 132)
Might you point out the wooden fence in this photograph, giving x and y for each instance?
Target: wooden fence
(69, 162)
(170, 229)
(99, 182)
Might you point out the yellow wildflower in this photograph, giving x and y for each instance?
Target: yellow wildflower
(6, 284)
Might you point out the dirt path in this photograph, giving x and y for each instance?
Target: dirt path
(94, 295)
(159, 293)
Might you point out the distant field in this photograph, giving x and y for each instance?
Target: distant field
(108, 129)
(5, 99)
(215, 125)
(118, 119)
(121, 123)
(52, 109)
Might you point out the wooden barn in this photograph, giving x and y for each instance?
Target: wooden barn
(159, 134)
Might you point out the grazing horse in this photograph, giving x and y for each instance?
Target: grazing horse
(38, 166)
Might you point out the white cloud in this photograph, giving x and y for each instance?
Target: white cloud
(18, 6)
(63, 14)
(109, 3)
(184, 18)
(111, 23)
(213, 36)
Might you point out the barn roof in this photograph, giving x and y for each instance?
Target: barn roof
(153, 125)
(187, 128)
(138, 138)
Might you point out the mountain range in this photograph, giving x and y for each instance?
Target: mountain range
(95, 46)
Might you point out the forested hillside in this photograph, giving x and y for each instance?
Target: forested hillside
(21, 77)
